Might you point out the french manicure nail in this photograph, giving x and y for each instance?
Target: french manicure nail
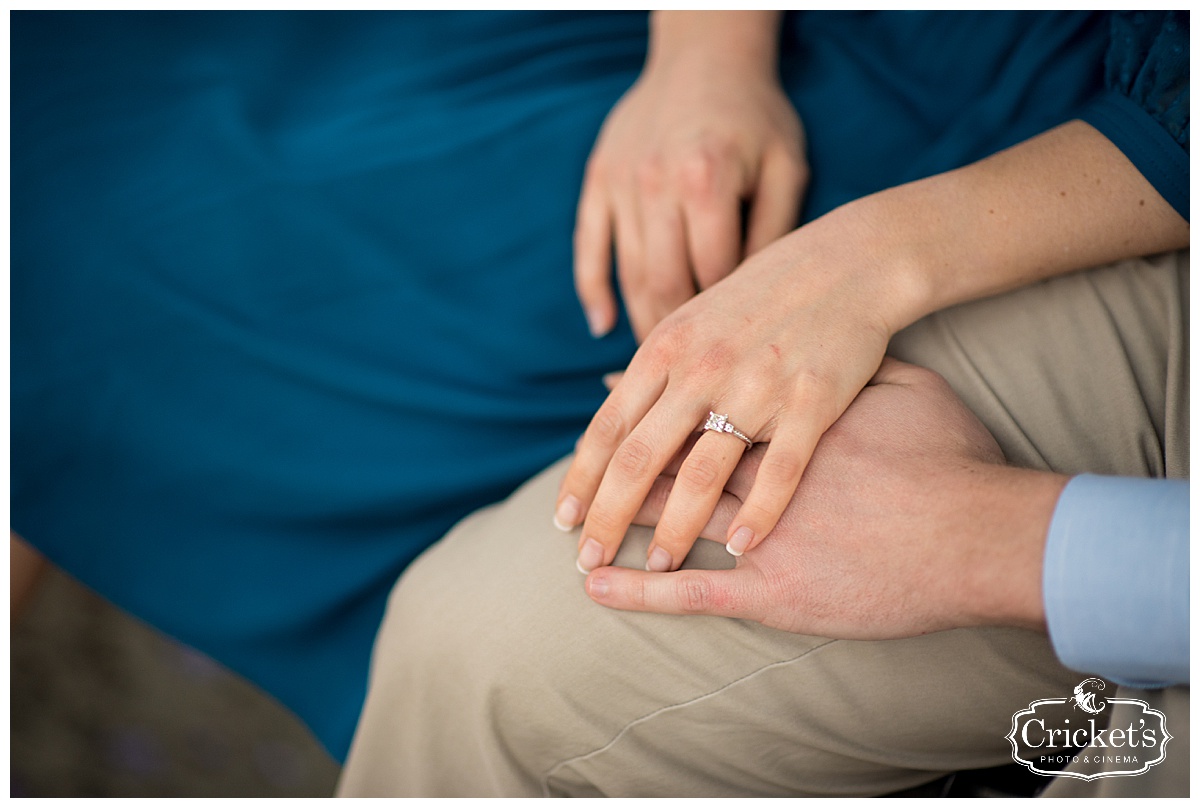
(597, 320)
(660, 561)
(590, 557)
(739, 541)
(568, 513)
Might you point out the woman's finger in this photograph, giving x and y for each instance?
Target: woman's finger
(611, 380)
(712, 206)
(775, 208)
(593, 258)
(775, 483)
(713, 530)
(635, 465)
(697, 488)
(609, 427)
(665, 282)
(632, 268)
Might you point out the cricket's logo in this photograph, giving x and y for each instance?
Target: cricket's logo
(1087, 700)
(1124, 736)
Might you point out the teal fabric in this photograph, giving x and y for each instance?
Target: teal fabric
(291, 292)
(1146, 109)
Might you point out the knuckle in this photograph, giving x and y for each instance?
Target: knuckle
(648, 175)
(603, 524)
(608, 427)
(700, 473)
(781, 469)
(697, 595)
(634, 457)
(694, 593)
(669, 341)
(698, 171)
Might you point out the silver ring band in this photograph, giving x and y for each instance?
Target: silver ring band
(720, 423)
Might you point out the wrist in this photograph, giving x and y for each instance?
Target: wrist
(892, 251)
(1003, 559)
(744, 43)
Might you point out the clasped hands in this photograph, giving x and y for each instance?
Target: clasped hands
(783, 346)
(905, 523)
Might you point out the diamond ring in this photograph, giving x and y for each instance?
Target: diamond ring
(720, 423)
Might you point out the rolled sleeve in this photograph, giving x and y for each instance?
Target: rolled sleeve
(1115, 579)
(1146, 109)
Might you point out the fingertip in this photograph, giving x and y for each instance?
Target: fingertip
(597, 585)
(660, 561)
(568, 513)
(591, 556)
(600, 320)
(740, 541)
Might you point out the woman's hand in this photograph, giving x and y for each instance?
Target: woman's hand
(785, 343)
(907, 522)
(782, 346)
(705, 130)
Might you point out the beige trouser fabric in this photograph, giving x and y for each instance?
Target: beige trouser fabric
(494, 674)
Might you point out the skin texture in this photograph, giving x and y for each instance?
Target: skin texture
(705, 130)
(785, 343)
(907, 523)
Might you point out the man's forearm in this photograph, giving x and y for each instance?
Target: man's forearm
(1060, 202)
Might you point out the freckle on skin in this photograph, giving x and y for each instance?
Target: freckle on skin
(991, 211)
(1062, 193)
(1141, 202)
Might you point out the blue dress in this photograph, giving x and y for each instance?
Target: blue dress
(291, 293)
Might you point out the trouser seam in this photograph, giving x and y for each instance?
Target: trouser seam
(659, 711)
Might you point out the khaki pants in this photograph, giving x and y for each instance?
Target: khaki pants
(494, 674)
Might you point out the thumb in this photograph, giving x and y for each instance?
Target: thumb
(724, 593)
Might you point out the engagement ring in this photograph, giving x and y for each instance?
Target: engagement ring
(720, 423)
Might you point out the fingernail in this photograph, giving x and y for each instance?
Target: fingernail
(739, 541)
(598, 586)
(660, 561)
(568, 513)
(611, 379)
(590, 557)
(597, 320)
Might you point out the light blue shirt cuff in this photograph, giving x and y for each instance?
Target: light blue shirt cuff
(1115, 579)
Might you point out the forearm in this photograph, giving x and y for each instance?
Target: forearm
(1064, 201)
(745, 42)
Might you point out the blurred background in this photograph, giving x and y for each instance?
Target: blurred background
(104, 706)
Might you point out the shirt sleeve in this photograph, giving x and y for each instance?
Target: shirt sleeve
(1144, 109)
(1115, 579)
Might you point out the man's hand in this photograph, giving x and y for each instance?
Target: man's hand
(906, 522)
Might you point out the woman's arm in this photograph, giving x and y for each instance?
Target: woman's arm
(1063, 201)
(785, 344)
